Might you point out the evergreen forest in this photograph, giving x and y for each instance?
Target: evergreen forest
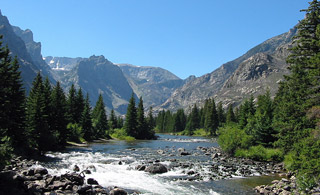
(285, 128)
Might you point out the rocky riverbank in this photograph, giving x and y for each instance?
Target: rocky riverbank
(28, 177)
(23, 178)
(285, 186)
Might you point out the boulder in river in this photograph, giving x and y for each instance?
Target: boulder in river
(92, 181)
(184, 153)
(156, 168)
(118, 191)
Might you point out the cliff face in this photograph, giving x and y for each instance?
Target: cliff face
(21, 44)
(97, 75)
(154, 84)
(251, 74)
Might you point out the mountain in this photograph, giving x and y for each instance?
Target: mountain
(251, 74)
(62, 63)
(154, 84)
(97, 75)
(21, 44)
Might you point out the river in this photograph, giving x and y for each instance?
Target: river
(114, 163)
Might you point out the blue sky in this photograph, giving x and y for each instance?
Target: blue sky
(186, 37)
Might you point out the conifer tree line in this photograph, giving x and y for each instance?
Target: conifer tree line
(209, 118)
(287, 127)
(47, 118)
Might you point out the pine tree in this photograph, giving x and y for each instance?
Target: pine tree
(37, 118)
(150, 119)
(99, 116)
(59, 115)
(71, 105)
(142, 127)
(292, 99)
(131, 123)
(260, 124)
(179, 120)
(221, 115)
(86, 120)
(113, 122)
(12, 101)
(193, 120)
(230, 114)
(79, 106)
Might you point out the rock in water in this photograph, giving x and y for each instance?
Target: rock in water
(156, 168)
(118, 191)
(92, 181)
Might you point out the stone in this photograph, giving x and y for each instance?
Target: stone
(160, 151)
(41, 171)
(181, 150)
(118, 191)
(215, 155)
(156, 168)
(83, 189)
(92, 181)
(184, 153)
(141, 167)
(86, 171)
(76, 168)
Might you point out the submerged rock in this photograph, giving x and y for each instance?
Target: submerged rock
(156, 168)
(118, 191)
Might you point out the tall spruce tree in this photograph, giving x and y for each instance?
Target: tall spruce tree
(113, 121)
(131, 122)
(142, 129)
(37, 118)
(292, 99)
(221, 115)
(86, 121)
(71, 105)
(12, 101)
(179, 120)
(99, 117)
(79, 104)
(193, 120)
(59, 114)
(150, 119)
(230, 115)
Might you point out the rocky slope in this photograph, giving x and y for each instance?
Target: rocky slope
(21, 44)
(62, 63)
(260, 68)
(154, 84)
(97, 75)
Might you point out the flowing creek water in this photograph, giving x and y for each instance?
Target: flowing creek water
(114, 163)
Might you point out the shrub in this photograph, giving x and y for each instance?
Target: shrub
(121, 135)
(260, 153)
(231, 137)
(305, 159)
(76, 133)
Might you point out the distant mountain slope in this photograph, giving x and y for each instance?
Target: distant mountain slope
(154, 84)
(62, 63)
(269, 55)
(30, 62)
(97, 75)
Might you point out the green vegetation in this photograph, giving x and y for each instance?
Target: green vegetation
(47, 119)
(289, 126)
(121, 134)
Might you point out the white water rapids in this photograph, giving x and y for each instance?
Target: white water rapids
(106, 170)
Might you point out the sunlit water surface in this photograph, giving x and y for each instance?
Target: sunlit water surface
(113, 164)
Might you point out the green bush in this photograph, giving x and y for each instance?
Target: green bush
(121, 135)
(305, 159)
(76, 134)
(5, 151)
(260, 153)
(231, 138)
